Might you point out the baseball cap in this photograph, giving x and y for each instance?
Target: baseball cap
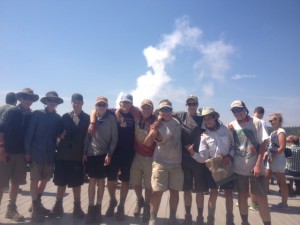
(101, 99)
(126, 98)
(147, 102)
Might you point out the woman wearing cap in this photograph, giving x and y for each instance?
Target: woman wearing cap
(276, 161)
(40, 144)
(216, 141)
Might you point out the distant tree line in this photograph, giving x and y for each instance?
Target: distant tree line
(288, 130)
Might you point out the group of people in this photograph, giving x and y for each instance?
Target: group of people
(154, 150)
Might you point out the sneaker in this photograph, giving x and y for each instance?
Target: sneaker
(188, 219)
(173, 221)
(280, 206)
(152, 222)
(254, 206)
(111, 208)
(13, 214)
(140, 203)
(120, 216)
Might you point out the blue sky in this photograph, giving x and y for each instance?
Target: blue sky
(218, 50)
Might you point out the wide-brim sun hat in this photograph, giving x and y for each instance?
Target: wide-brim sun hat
(53, 96)
(28, 92)
(210, 111)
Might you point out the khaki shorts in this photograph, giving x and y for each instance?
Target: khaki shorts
(166, 176)
(257, 184)
(41, 172)
(141, 169)
(14, 170)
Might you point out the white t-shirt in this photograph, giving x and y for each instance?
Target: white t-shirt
(247, 139)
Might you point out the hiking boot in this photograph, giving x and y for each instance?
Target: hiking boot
(140, 203)
(254, 206)
(13, 214)
(188, 219)
(57, 210)
(97, 213)
(210, 220)
(77, 211)
(120, 216)
(90, 215)
(229, 219)
(37, 215)
(146, 213)
(200, 220)
(173, 221)
(111, 208)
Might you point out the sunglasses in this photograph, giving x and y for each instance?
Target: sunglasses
(192, 104)
(101, 105)
(165, 110)
(271, 121)
(237, 110)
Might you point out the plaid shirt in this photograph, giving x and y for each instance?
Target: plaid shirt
(293, 163)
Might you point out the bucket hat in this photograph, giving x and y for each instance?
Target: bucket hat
(210, 111)
(28, 93)
(52, 95)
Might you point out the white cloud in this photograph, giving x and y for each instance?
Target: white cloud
(215, 61)
(156, 83)
(243, 76)
(208, 89)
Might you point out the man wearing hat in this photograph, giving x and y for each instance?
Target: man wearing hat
(40, 144)
(13, 125)
(249, 135)
(194, 177)
(122, 157)
(98, 151)
(216, 142)
(10, 100)
(141, 168)
(69, 169)
(166, 168)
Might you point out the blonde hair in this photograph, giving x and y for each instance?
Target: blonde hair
(277, 116)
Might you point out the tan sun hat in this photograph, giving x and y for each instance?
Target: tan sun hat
(210, 111)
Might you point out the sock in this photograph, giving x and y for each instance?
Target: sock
(187, 210)
(172, 213)
(200, 212)
(153, 216)
(267, 222)
(244, 218)
(39, 196)
(211, 211)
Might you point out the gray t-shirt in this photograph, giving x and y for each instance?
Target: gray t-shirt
(169, 149)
